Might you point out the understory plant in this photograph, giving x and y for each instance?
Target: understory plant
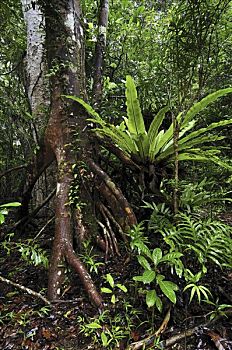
(109, 329)
(30, 251)
(151, 275)
(190, 245)
(155, 145)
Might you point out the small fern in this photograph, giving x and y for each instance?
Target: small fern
(208, 240)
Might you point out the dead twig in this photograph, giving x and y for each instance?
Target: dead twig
(149, 340)
(25, 219)
(25, 289)
(178, 337)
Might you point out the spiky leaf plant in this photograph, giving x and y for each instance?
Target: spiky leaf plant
(155, 145)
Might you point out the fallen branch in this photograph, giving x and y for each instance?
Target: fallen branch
(25, 289)
(178, 337)
(150, 340)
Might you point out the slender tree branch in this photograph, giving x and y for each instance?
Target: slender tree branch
(8, 171)
(25, 289)
(34, 212)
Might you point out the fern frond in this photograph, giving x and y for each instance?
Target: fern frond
(199, 106)
(135, 121)
(198, 132)
(88, 108)
(195, 142)
(155, 125)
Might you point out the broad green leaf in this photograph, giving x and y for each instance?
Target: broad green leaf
(122, 287)
(138, 278)
(189, 144)
(104, 339)
(143, 262)
(148, 276)
(151, 298)
(157, 256)
(169, 288)
(88, 108)
(113, 299)
(2, 218)
(94, 325)
(167, 136)
(199, 106)
(159, 304)
(171, 256)
(155, 125)
(195, 134)
(110, 280)
(135, 121)
(106, 290)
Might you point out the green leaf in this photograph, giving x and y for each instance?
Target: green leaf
(143, 262)
(157, 256)
(135, 121)
(159, 304)
(122, 287)
(171, 256)
(154, 149)
(94, 325)
(88, 108)
(199, 106)
(110, 280)
(106, 290)
(151, 298)
(13, 204)
(198, 132)
(113, 299)
(138, 278)
(104, 339)
(154, 127)
(148, 276)
(169, 288)
(2, 218)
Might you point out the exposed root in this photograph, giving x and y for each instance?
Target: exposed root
(121, 201)
(116, 224)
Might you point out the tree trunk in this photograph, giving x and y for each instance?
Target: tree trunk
(65, 56)
(99, 51)
(67, 140)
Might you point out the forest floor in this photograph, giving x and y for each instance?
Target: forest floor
(27, 323)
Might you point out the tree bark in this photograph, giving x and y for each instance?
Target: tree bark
(99, 51)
